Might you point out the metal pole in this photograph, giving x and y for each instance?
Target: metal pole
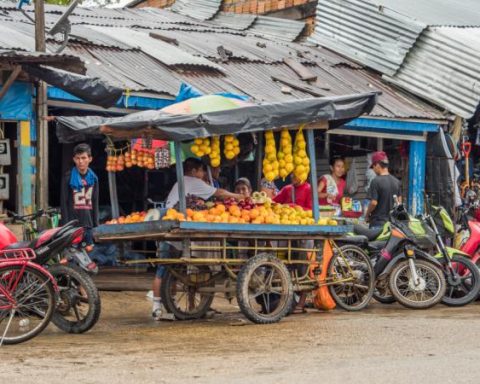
(112, 186)
(41, 113)
(313, 173)
(258, 158)
(180, 179)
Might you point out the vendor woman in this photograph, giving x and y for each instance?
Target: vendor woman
(331, 186)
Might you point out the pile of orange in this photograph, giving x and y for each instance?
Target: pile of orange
(134, 217)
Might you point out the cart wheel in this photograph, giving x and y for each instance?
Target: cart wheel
(353, 270)
(264, 289)
(180, 291)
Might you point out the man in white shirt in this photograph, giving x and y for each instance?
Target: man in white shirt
(194, 173)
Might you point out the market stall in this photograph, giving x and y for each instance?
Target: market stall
(278, 239)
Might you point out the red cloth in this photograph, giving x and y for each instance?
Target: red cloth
(340, 186)
(303, 195)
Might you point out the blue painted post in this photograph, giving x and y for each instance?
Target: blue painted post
(416, 176)
(313, 173)
(181, 184)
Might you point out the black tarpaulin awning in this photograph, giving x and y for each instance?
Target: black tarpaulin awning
(337, 110)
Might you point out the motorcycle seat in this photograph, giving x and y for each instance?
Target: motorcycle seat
(354, 240)
(369, 233)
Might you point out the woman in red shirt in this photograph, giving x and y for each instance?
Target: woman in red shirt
(298, 193)
(331, 187)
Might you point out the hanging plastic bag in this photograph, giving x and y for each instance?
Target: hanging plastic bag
(321, 296)
(352, 179)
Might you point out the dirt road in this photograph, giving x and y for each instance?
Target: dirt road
(383, 344)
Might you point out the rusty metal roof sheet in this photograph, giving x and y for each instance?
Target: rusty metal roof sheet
(282, 29)
(132, 70)
(160, 50)
(443, 67)
(198, 9)
(377, 37)
(65, 61)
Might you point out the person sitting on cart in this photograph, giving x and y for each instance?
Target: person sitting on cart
(194, 174)
(299, 193)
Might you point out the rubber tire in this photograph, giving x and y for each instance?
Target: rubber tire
(473, 294)
(94, 302)
(167, 299)
(49, 314)
(383, 299)
(243, 280)
(371, 287)
(417, 305)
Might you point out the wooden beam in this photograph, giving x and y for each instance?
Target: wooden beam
(302, 71)
(13, 76)
(298, 86)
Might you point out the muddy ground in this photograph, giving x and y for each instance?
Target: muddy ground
(383, 344)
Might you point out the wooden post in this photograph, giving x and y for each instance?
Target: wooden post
(180, 180)
(41, 113)
(313, 173)
(16, 71)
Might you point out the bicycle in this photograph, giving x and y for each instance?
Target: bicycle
(27, 296)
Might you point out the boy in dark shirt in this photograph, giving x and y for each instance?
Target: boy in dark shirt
(79, 197)
(382, 189)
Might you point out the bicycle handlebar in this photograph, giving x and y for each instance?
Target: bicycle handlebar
(33, 216)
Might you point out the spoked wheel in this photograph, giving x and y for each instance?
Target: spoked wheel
(27, 302)
(426, 292)
(78, 308)
(181, 291)
(463, 282)
(382, 292)
(264, 289)
(353, 278)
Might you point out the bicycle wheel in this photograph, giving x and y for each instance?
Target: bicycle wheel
(27, 302)
(353, 278)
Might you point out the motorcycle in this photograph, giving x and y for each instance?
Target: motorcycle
(462, 277)
(62, 251)
(404, 272)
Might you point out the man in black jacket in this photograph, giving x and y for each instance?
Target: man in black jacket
(79, 198)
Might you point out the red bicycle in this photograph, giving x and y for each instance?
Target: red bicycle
(27, 296)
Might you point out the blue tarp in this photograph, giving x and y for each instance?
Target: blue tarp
(16, 104)
(188, 92)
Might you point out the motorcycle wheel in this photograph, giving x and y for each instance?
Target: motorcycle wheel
(382, 292)
(465, 290)
(78, 308)
(431, 290)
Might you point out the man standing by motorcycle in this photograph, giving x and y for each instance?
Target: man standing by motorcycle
(382, 189)
(79, 197)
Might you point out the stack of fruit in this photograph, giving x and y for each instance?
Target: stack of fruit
(115, 163)
(134, 217)
(201, 147)
(173, 214)
(143, 159)
(300, 157)
(247, 211)
(285, 157)
(231, 147)
(215, 156)
(270, 163)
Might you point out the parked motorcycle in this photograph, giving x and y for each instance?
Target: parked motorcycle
(61, 251)
(404, 272)
(462, 277)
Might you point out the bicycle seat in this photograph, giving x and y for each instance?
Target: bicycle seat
(369, 233)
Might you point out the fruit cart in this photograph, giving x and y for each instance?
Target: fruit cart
(261, 263)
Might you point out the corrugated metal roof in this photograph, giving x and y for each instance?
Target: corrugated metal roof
(234, 20)
(255, 80)
(198, 9)
(376, 37)
(282, 29)
(13, 38)
(131, 69)
(443, 67)
(160, 50)
(437, 12)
